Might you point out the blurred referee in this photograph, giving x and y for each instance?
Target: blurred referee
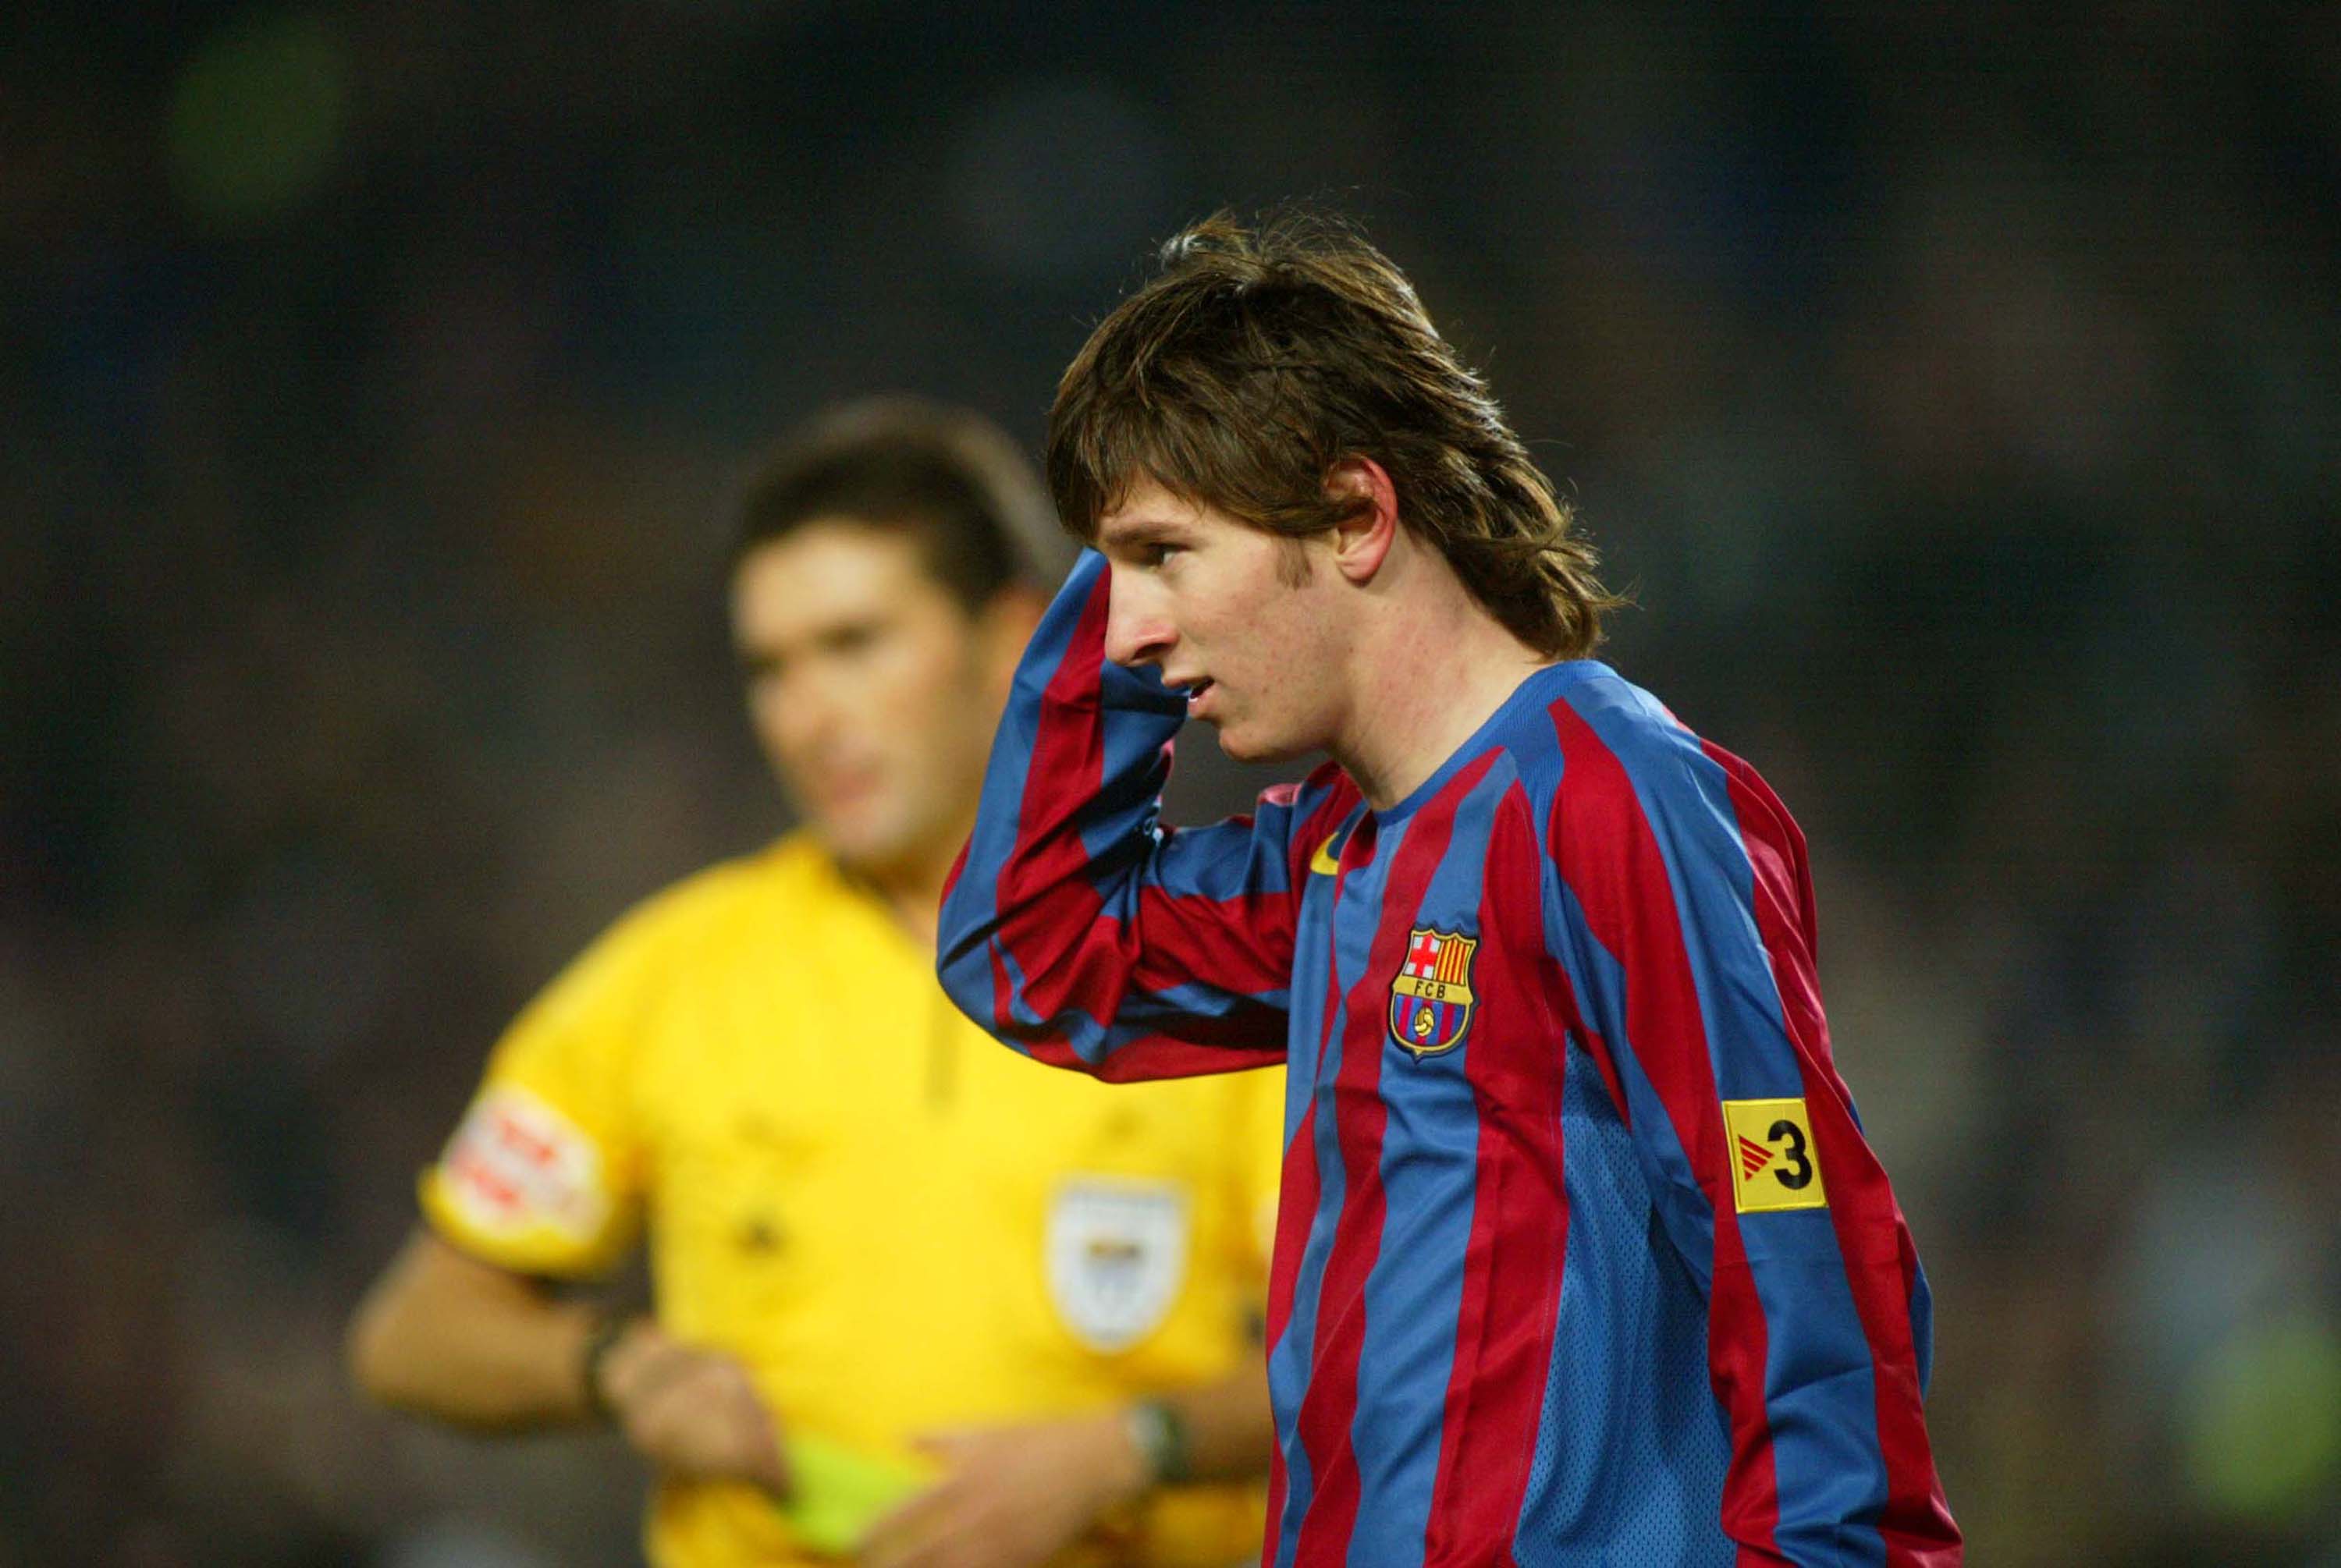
(918, 1301)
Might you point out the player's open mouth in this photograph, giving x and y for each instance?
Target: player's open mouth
(1195, 694)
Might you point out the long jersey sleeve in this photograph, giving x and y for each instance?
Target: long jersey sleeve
(1581, 1254)
(1077, 927)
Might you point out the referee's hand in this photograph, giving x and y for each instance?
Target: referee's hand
(1011, 1496)
(690, 1411)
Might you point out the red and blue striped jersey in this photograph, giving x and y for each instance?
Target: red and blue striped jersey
(1581, 1256)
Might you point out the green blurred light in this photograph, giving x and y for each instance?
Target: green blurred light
(2262, 1431)
(256, 117)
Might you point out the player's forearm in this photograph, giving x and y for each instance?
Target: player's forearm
(443, 1336)
(1076, 929)
(1030, 889)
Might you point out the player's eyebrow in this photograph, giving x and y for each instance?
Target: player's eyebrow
(1142, 529)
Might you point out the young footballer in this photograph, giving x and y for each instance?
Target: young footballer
(1581, 1256)
(914, 1300)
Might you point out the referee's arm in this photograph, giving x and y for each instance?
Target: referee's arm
(444, 1335)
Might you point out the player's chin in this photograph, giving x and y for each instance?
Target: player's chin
(1243, 744)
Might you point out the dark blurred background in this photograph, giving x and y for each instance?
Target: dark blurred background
(1958, 386)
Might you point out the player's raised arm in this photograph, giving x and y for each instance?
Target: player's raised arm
(1077, 927)
(1683, 910)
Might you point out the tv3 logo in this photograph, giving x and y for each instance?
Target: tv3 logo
(1774, 1165)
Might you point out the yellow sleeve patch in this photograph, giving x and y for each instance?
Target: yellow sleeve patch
(522, 1184)
(1774, 1165)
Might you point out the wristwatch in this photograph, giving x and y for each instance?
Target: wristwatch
(1159, 1433)
(604, 1339)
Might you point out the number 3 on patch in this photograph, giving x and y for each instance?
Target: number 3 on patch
(1773, 1162)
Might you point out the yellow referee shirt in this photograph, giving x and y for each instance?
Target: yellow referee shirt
(897, 1225)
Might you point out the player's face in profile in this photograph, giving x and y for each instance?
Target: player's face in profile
(1237, 616)
(872, 689)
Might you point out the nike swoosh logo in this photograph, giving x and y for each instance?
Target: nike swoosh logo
(1324, 863)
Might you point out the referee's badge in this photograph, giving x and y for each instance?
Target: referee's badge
(1430, 996)
(1116, 1251)
(517, 1166)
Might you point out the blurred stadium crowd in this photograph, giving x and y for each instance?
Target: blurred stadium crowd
(1958, 388)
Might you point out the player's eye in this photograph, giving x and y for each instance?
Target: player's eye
(1157, 553)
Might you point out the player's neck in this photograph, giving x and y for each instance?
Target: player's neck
(1426, 674)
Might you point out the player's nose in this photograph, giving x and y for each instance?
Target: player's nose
(1137, 631)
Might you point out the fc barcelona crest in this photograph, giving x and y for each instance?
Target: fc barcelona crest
(1430, 996)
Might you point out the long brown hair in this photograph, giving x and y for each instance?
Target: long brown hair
(1259, 357)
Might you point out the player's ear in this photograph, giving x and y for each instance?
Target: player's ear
(1362, 539)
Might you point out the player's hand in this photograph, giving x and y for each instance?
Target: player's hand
(1011, 1496)
(689, 1411)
